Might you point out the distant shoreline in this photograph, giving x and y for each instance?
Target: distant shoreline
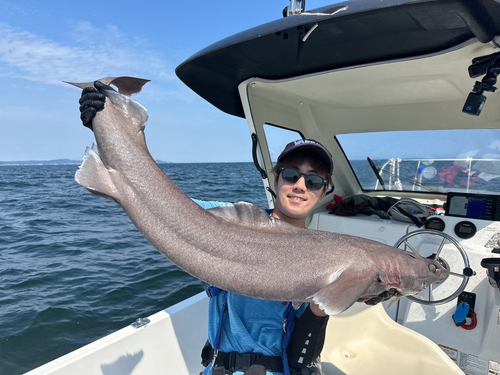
(52, 162)
(42, 162)
(78, 162)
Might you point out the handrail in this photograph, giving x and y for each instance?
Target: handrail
(394, 166)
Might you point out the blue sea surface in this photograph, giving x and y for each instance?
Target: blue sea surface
(73, 268)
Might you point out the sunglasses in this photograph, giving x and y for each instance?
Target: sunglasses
(292, 175)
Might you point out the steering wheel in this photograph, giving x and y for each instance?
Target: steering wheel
(467, 272)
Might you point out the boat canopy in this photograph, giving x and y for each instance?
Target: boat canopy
(341, 35)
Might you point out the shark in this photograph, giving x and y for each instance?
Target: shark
(238, 248)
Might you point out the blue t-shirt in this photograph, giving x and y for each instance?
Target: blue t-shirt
(249, 325)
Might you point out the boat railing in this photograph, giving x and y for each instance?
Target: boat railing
(438, 175)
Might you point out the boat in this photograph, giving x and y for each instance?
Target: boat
(402, 93)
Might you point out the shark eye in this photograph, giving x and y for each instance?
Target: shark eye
(432, 268)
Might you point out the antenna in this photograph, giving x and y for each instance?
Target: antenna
(295, 7)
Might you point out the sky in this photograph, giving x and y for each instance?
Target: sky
(43, 43)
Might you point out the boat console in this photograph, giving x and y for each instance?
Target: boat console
(469, 245)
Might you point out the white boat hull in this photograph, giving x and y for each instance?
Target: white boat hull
(169, 344)
(363, 340)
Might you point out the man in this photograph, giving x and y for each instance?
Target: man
(246, 335)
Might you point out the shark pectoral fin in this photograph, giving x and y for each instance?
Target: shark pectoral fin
(341, 294)
(93, 175)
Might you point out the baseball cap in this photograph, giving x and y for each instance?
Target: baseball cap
(312, 145)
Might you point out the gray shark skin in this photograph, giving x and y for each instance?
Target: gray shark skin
(237, 248)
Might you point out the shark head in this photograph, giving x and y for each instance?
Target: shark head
(420, 273)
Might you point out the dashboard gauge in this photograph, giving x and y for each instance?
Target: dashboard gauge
(435, 223)
(465, 229)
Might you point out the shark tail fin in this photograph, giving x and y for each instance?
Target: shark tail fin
(126, 85)
(129, 85)
(94, 176)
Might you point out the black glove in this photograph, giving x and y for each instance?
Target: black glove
(385, 296)
(91, 102)
(306, 344)
(313, 368)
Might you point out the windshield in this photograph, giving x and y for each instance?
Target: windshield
(432, 161)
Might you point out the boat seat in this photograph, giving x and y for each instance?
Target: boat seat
(364, 340)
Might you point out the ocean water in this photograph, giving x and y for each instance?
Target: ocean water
(73, 268)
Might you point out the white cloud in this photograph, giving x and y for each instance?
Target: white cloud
(95, 53)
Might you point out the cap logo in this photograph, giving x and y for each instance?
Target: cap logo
(317, 147)
(300, 141)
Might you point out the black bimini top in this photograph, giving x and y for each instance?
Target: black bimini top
(341, 35)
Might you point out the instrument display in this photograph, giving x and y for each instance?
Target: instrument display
(435, 223)
(473, 206)
(465, 229)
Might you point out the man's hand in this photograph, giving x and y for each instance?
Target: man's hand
(91, 102)
(385, 296)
